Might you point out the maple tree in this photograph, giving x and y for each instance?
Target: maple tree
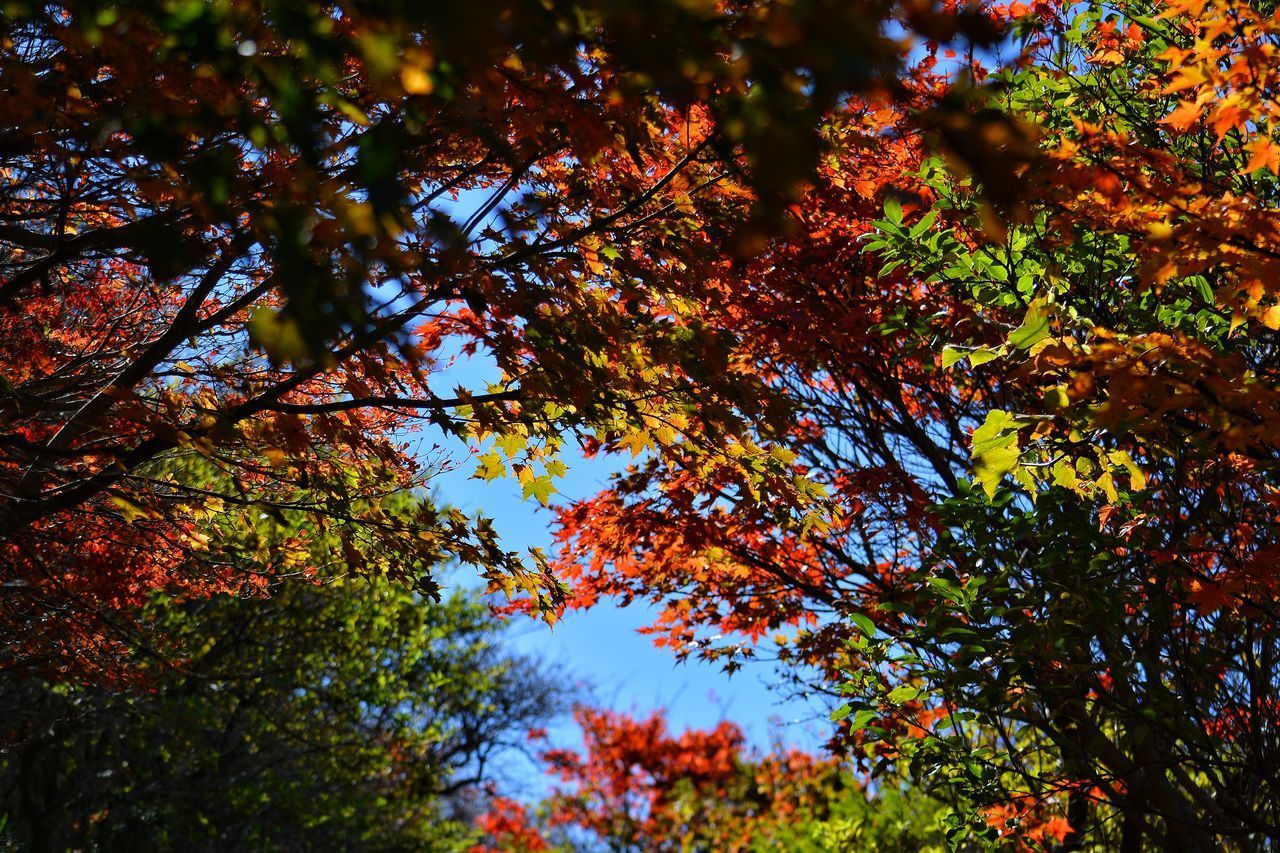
(635, 785)
(948, 376)
(1043, 414)
(253, 232)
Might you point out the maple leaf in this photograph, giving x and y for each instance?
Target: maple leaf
(1182, 118)
(637, 441)
(540, 488)
(1227, 116)
(1263, 154)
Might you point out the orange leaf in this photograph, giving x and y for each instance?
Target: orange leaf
(1183, 117)
(1227, 117)
(1263, 154)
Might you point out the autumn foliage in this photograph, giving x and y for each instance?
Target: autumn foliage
(1043, 415)
(635, 785)
(937, 345)
(253, 234)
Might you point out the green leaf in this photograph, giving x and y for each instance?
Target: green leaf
(993, 431)
(946, 589)
(541, 488)
(989, 468)
(861, 719)
(903, 693)
(1034, 328)
(864, 624)
(1204, 289)
(950, 355)
(893, 210)
(982, 355)
(840, 713)
(995, 448)
(920, 228)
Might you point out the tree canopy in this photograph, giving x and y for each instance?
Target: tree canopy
(1049, 576)
(936, 344)
(255, 231)
(349, 714)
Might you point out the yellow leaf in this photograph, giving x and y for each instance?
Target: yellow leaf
(1056, 398)
(1024, 478)
(130, 510)
(635, 441)
(490, 468)
(782, 454)
(416, 80)
(1107, 483)
(279, 334)
(1137, 478)
(592, 259)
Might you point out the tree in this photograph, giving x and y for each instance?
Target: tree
(637, 786)
(990, 456)
(1048, 429)
(350, 715)
(252, 231)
